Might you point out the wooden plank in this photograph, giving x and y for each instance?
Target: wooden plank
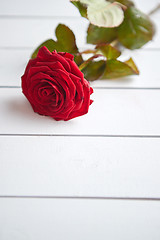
(80, 166)
(38, 8)
(78, 219)
(13, 63)
(114, 112)
(50, 8)
(30, 32)
(146, 6)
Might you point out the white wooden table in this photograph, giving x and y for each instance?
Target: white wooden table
(95, 177)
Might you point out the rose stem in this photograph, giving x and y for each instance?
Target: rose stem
(154, 10)
(88, 60)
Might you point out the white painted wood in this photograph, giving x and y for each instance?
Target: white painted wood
(38, 8)
(12, 66)
(124, 112)
(54, 8)
(77, 166)
(80, 166)
(40, 219)
(13, 63)
(30, 32)
(146, 6)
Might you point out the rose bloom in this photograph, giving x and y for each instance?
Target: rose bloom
(55, 87)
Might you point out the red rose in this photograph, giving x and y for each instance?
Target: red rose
(55, 86)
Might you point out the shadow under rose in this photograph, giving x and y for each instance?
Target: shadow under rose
(22, 108)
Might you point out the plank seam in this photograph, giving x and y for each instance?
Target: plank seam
(76, 135)
(82, 197)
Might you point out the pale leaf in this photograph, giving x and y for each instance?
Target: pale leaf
(105, 14)
(90, 2)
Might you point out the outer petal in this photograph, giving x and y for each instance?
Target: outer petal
(44, 55)
(66, 55)
(74, 69)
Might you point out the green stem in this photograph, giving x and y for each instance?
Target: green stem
(88, 51)
(114, 43)
(83, 65)
(154, 10)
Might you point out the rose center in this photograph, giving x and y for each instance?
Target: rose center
(47, 94)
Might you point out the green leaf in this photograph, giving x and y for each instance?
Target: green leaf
(108, 51)
(116, 69)
(132, 65)
(105, 14)
(136, 29)
(81, 7)
(65, 39)
(97, 35)
(94, 70)
(109, 69)
(65, 43)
